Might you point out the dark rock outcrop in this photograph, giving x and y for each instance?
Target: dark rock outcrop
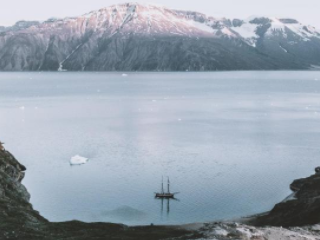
(17, 217)
(302, 209)
(18, 220)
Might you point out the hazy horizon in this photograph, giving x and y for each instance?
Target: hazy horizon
(306, 12)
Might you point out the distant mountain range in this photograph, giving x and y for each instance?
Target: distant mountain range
(146, 37)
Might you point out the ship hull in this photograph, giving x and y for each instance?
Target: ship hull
(164, 195)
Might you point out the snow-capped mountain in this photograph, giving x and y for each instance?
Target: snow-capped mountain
(144, 37)
(256, 28)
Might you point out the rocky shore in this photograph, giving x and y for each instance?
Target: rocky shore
(300, 214)
(300, 209)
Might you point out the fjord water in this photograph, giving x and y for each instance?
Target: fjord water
(231, 142)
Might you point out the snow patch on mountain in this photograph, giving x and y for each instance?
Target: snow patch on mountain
(285, 50)
(305, 32)
(276, 25)
(130, 14)
(200, 26)
(246, 30)
(226, 31)
(254, 27)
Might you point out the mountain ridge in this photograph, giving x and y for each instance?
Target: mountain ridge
(147, 37)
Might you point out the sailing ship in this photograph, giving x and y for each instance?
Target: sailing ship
(167, 194)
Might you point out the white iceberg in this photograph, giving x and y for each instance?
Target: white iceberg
(78, 160)
(124, 75)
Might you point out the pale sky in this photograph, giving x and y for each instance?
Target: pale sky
(306, 11)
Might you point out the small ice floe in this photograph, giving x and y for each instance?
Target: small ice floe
(78, 160)
(22, 108)
(124, 75)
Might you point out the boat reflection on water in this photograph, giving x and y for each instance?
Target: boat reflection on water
(166, 196)
(168, 204)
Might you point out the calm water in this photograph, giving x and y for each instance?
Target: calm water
(230, 142)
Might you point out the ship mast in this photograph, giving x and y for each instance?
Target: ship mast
(168, 185)
(162, 191)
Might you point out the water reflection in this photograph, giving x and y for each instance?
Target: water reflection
(167, 202)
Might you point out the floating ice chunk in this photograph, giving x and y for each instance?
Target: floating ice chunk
(22, 108)
(124, 75)
(78, 160)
